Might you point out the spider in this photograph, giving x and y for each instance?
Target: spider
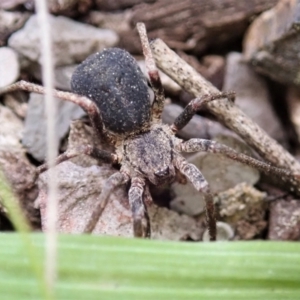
(111, 88)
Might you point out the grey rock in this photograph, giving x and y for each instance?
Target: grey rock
(17, 102)
(251, 94)
(224, 232)
(221, 173)
(9, 66)
(34, 137)
(62, 75)
(244, 208)
(72, 41)
(10, 129)
(10, 21)
(14, 164)
(284, 220)
(78, 193)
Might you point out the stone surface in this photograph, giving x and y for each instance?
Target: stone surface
(272, 43)
(244, 208)
(62, 76)
(284, 220)
(17, 102)
(9, 4)
(78, 191)
(72, 41)
(9, 66)
(221, 173)
(15, 165)
(252, 94)
(10, 21)
(34, 137)
(224, 232)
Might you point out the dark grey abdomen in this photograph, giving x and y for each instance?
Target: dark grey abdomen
(114, 81)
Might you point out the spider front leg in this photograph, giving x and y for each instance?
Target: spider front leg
(201, 185)
(194, 106)
(89, 150)
(112, 182)
(141, 222)
(195, 145)
(159, 97)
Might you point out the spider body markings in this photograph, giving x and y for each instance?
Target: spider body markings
(112, 90)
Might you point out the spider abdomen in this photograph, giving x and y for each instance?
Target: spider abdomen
(113, 80)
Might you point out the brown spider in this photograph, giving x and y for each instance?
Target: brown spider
(112, 90)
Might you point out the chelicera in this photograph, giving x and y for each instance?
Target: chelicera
(111, 88)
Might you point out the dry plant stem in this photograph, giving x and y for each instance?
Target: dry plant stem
(226, 112)
(52, 206)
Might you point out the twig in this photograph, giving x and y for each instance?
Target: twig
(226, 112)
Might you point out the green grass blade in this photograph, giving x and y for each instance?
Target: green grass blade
(93, 267)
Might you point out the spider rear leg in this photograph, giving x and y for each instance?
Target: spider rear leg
(159, 99)
(112, 182)
(195, 145)
(141, 222)
(201, 185)
(194, 106)
(89, 150)
(85, 103)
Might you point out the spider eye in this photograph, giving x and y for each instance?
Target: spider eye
(162, 173)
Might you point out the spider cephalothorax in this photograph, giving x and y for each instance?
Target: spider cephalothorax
(112, 90)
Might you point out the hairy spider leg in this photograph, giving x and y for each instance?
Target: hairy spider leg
(141, 222)
(195, 145)
(201, 185)
(159, 99)
(85, 103)
(111, 183)
(194, 106)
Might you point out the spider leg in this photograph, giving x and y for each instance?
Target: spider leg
(194, 106)
(195, 145)
(112, 182)
(89, 150)
(201, 185)
(85, 103)
(159, 99)
(141, 222)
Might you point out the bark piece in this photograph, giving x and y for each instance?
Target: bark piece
(193, 25)
(273, 41)
(111, 5)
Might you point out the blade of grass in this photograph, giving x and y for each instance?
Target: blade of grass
(93, 267)
(31, 263)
